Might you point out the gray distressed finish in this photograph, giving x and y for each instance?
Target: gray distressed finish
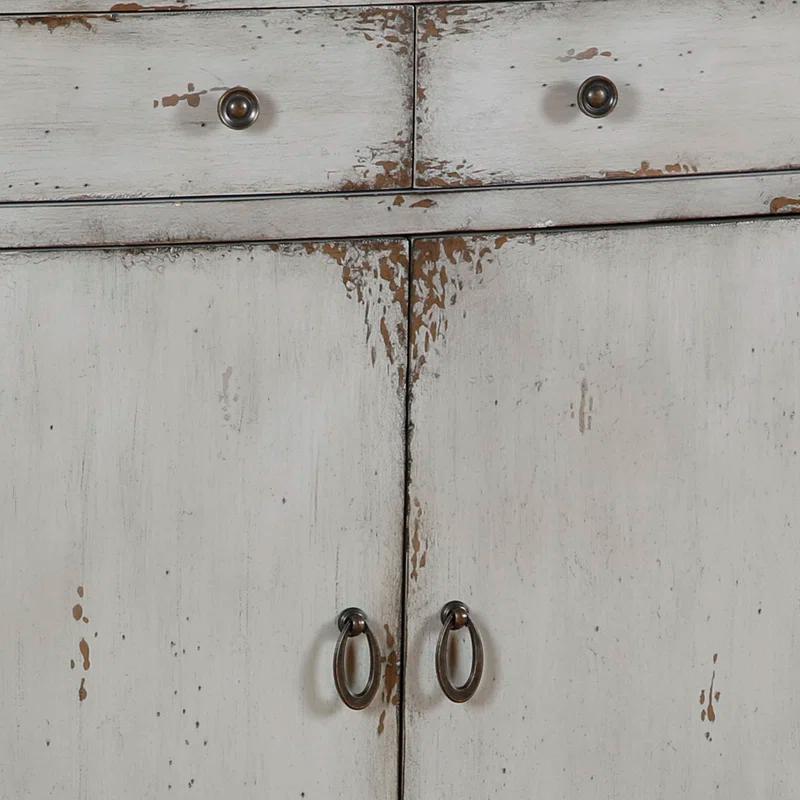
(125, 105)
(401, 213)
(604, 467)
(45, 7)
(205, 442)
(704, 87)
(209, 443)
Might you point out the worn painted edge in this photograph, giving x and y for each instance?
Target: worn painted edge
(59, 7)
(409, 213)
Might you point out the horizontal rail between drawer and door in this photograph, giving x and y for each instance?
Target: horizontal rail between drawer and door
(400, 213)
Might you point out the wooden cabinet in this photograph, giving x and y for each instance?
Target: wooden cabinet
(444, 323)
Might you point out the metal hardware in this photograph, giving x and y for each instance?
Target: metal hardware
(597, 96)
(238, 108)
(454, 616)
(352, 622)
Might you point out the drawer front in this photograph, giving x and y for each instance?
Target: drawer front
(126, 105)
(703, 87)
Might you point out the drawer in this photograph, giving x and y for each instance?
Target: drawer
(703, 87)
(125, 105)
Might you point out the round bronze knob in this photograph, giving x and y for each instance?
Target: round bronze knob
(238, 108)
(597, 96)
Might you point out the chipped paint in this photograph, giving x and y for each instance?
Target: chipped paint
(428, 29)
(440, 21)
(645, 170)
(384, 166)
(445, 174)
(55, 22)
(383, 27)
(418, 557)
(784, 204)
(585, 55)
(424, 203)
(84, 648)
(435, 288)
(708, 712)
(385, 286)
(191, 96)
(381, 721)
(375, 273)
(391, 28)
(390, 640)
(136, 7)
(391, 670)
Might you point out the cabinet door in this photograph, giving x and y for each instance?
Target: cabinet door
(604, 468)
(202, 465)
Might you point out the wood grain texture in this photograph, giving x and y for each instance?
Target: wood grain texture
(124, 105)
(203, 465)
(402, 213)
(703, 88)
(604, 467)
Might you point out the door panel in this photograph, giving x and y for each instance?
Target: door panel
(604, 467)
(203, 465)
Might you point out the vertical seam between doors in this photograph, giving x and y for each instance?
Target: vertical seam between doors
(401, 715)
(401, 711)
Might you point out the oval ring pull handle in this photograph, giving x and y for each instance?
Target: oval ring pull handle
(455, 615)
(352, 622)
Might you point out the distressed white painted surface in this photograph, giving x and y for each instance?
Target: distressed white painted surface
(605, 468)
(125, 105)
(209, 443)
(403, 213)
(78, 6)
(704, 87)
